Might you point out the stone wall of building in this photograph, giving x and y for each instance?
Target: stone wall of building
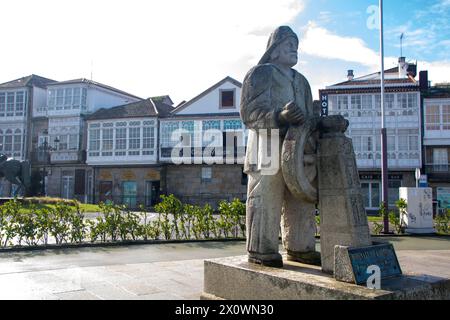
(133, 186)
(226, 182)
(67, 181)
(409, 180)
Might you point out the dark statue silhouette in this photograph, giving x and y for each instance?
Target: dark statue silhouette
(17, 172)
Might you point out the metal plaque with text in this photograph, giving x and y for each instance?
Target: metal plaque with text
(381, 255)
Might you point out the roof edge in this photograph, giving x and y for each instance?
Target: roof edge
(95, 83)
(204, 93)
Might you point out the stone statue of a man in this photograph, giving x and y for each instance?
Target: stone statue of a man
(275, 96)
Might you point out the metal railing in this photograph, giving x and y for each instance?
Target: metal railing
(438, 171)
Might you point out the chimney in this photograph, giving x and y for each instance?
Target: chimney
(350, 75)
(423, 80)
(402, 67)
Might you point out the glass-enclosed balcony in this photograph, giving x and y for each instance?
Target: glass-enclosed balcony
(63, 101)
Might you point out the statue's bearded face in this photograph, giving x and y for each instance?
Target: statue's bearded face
(286, 53)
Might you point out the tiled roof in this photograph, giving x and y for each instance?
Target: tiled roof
(139, 109)
(166, 99)
(376, 82)
(30, 81)
(437, 93)
(374, 78)
(204, 115)
(164, 109)
(91, 82)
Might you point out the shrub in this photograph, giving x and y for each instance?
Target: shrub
(198, 220)
(189, 212)
(225, 221)
(377, 227)
(129, 225)
(397, 218)
(65, 222)
(9, 210)
(208, 223)
(238, 215)
(78, 223)
(442, 222)
(27, 227)
(60, 222)
(169, 205)
(43, 222)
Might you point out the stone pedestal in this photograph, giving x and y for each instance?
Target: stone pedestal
(343, 217)
(418, 218)
(235, 278)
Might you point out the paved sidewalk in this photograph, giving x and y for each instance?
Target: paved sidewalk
(166, 271)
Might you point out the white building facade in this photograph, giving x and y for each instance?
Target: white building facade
(122, 151)
(18, 98)
(202, 144)
(61, 124)
(436, 140)
(359, 100)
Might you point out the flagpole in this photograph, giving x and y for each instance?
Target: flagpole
(401, 45)
(384, 159)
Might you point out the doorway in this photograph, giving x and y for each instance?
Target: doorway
(129, 192)
(67, 187)
(151, 193)
(105, 189)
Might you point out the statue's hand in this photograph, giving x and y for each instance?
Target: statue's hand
(291, 114)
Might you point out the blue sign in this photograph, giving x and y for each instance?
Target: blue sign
(423, 181)
(381, 255)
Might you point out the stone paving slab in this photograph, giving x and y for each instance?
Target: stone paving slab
(168, 281)
(147, 273)
(76, 295)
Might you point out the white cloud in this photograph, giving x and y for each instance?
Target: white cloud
(149, 48)
(320, 42)
(438, 71)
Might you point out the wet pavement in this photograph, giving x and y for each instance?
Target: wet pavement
(159, 271)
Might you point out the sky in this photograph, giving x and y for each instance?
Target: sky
(181, 48)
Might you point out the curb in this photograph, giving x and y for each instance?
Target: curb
(147, 242)
(107, 244)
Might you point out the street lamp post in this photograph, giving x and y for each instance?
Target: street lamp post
(384, 159)
(44, 169)
(46, 148)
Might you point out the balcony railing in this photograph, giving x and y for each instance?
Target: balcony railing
(438, 172)
(62, 156)
(237, 153)
(52, 157)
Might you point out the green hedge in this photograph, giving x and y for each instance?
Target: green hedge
(49, 200)
(66, 223)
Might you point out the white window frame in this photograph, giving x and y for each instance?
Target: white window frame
(128, 134)
(74, 103)
(221, 92)
(206, 174)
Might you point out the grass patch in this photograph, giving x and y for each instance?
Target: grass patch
(375, 219)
